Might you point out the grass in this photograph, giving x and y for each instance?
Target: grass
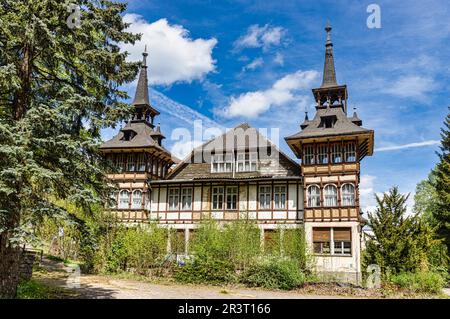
(34, 289)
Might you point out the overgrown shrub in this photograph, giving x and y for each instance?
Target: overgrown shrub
(273, 273)
(420, 282)
(212, 271)
(139, 249)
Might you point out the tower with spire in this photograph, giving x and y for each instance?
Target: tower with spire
(331, 147)
(136, 155)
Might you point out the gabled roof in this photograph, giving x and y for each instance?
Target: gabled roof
(240, 138)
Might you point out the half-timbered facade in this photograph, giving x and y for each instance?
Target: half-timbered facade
(242, 175)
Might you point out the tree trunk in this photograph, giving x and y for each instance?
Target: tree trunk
(9, 259)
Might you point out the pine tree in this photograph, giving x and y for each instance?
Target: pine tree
(58, 87)
(399, 242)
(442, 185)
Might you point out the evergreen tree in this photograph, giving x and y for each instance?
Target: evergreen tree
(399, 242)
(59, 85)
(442, 185)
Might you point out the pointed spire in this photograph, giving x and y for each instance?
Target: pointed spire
(329, 73)
(141, 96)
(306, 116)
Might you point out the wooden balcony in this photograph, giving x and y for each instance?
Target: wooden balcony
(328, 169)
(331, 213)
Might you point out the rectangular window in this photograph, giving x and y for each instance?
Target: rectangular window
(336, 155)
(155, 168)
(279, 196)
(247, 162)
(265, 194)
(186, 198)
(130, 163)
(231, 197)
(322, 154)
(308, 156)
(350, 152)
(221, 163)
(119, 163)
(322, 240)
(174, 198)
(342, 240)
(217, 197)
(341, 243)
(141, 163)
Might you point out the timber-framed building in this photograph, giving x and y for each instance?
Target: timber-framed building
(241, 174)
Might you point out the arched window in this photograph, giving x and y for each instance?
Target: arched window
(124, 199)
(313, 196)
(112, 200)
(348, 195)
(137, 199)
(147, 200)
(330, 194)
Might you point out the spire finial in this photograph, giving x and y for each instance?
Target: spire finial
(306, 116)
(328, 29)
(329, 73)
(144, 54)
(141, 96)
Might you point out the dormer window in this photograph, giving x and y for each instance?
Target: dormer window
(128, 135)
(246, 162)
(328, 121)
(221, 163)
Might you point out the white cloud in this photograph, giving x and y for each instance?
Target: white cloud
(278, 59)
(414, 86)
(409, 145)
(173, 55)
(260, 37)
(256, 63)
(284, 90)
(181, 149)
(366, 193)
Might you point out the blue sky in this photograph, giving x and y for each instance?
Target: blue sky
(228, 62)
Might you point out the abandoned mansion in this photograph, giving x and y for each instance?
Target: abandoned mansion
(241, 174)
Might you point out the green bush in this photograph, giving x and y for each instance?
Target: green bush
(212, 271)
(421, 282)
(136, 248)
(274, 274)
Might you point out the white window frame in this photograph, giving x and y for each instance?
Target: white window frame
(217, 197)
(119, 163)
(141, 162)
(350, 152)
(313, 200)
(348, 198)
(124, 199)
(336, 152)
(136, 199)
(322, 154)
(186, 198)
(173, 198)
(279, 196)
(113, 198)
(231, 197)
(222, 163)
(247, 162)
(330, 198)
(132, 162)
(265, 196)
(308, 156)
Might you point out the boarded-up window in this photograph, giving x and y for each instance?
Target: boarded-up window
(342, 240)
(270, 240)
(321, 234)
(342, 234)
(177, 241)
(321, 240)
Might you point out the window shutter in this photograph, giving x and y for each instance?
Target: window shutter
(321, 234)
(342, 234)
